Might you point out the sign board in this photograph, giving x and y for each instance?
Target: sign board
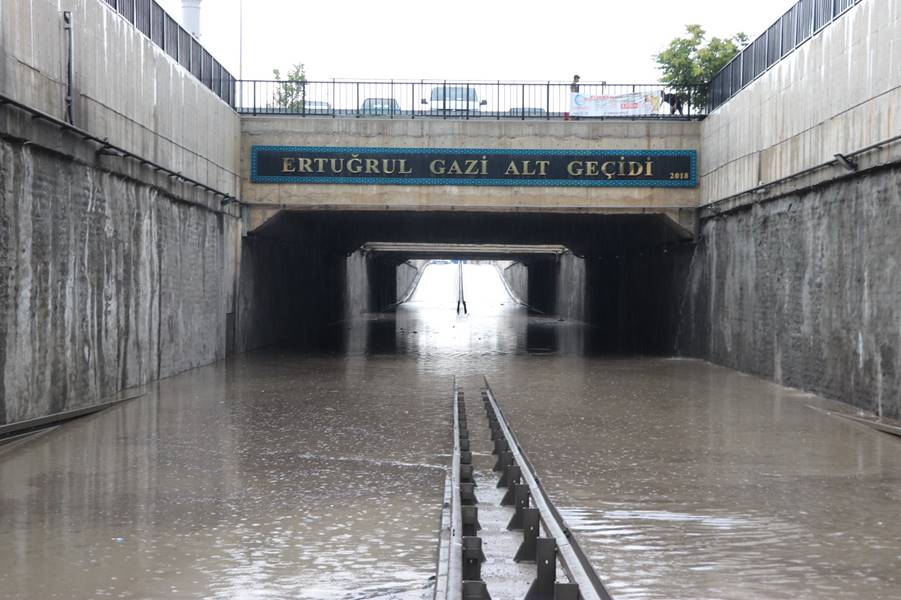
(624, 105)
(473, 166)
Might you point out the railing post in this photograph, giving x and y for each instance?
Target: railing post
(254, 97)
(547, 108)
(523, 99)
(467, 101)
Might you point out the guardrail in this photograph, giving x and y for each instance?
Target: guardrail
(795, 27)
(154, 22)
(559, 543)
(459, 99)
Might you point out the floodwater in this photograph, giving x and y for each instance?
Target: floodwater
(287, 475)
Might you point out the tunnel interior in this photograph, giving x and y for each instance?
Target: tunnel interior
(303, 272)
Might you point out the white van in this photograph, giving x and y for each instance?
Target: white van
(454, 99)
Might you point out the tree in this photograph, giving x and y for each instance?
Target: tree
(688, 63)
(291, 92)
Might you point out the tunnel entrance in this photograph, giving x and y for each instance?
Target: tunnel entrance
(305, 273)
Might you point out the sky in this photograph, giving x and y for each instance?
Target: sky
(472, 40)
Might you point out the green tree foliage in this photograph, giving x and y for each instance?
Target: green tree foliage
(689, 63)
(291, 92)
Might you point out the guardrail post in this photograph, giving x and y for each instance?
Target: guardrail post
(473, 557)
(466, 474)
(475, 590)
(470, 517)
(468, 494)
(512, 475)
(504, 460)
(543, 586)
(521, 495)
(529, 547)
(566, 591)
(500, 445)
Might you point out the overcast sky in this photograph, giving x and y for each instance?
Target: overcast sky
(465, 39)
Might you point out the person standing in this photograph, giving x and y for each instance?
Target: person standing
(574, 86)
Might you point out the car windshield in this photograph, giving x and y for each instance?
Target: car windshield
(454, 93)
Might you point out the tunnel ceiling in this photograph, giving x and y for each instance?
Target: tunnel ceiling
(584, 234)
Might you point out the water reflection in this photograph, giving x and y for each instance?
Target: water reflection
(278, 474)
(429, 325)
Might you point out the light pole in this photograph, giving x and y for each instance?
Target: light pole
(240, 40)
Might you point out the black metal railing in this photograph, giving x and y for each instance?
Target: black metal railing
(796, 26)
(154, 22)
(458, 99)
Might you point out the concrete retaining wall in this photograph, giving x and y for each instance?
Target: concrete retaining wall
(516, 275)
(105, 283)
(126, 88)
(406, 277)
(806, 290)
(289, 293)
(572, 288)
(836, 93)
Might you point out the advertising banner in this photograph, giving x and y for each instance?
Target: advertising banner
(623, 105)
(473, 166)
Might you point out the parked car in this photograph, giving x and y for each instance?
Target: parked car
(318, 107)
(528, 111)
(454, 99)
(380, 106)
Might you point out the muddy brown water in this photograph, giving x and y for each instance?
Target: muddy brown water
(285, 474)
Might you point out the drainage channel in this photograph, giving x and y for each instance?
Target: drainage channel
(505, 539)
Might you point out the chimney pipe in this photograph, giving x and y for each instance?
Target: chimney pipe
(190, 10)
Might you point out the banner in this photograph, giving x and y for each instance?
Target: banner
(625, 105)
(473, 166)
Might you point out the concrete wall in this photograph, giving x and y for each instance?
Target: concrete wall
(837, 93)
(112, 274)
(516, 275)
(289, 293)
(126, 88)
(806, 290)
(106, 282)
(571, 288)
(289, 131)
(407, 277)
(799, 281)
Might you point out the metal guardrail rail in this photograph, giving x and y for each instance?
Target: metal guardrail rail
(792, 29)
(575, 563)
(442, 99)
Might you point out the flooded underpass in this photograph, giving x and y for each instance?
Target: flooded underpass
(284, 473)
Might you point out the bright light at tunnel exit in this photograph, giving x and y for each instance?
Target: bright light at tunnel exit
(482, 286)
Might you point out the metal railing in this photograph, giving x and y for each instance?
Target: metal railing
(447, 99)
(154, 22)
(795, 27)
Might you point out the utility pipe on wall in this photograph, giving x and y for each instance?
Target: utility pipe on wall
(70, 65)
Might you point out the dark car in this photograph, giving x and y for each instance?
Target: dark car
(528, 111)
(380, 106)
